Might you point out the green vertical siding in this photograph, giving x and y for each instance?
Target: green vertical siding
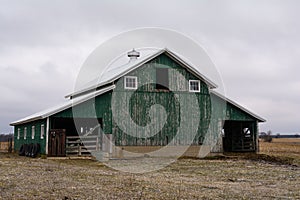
(95, 108)
(37, 136)
(146, 96)
(229, 111)
(234, 113)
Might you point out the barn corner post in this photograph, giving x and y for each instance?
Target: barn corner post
(47, 135)
(256, 129)
(218, 147)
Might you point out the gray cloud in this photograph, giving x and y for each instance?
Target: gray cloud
(255, 45)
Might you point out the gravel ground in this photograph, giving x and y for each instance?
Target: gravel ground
(27, 178)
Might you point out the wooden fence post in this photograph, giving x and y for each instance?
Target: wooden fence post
(79, 150)
(97, 144)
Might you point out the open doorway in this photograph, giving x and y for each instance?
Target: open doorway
(239, 136)
(78, 136)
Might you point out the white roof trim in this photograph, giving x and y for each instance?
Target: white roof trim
(239, 106)
(56, 109)
(140, 62)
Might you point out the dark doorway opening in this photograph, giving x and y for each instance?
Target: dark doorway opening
(239, 136)
(77, 126)
(162, 79)
(76, 137)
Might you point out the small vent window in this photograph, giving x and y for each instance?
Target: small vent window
(25, 133)
(32, 132)
(18, 136)
(130, 82)
(42, 131)
(194, 86)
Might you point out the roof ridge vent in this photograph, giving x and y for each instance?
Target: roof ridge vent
(133, 54)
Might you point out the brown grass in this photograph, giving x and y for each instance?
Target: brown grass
(268, 175)
(230, 178)
(288, 148)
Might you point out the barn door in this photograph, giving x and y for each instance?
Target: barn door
(57, 142)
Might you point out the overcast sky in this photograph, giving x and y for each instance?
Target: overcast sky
(254, 45)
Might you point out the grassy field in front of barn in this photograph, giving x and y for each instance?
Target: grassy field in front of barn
(272, 174)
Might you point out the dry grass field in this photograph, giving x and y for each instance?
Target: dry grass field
(285, 148)
(272, 174)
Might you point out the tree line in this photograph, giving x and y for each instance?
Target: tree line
(6, 137)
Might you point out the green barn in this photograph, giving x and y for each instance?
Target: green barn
(118, 111)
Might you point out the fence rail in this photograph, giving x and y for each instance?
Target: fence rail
(82, 145)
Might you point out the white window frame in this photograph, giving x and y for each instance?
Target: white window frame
(25, 133)
(32, 132)
(197, 81)
(18, 135)
(130, 77)
(42, 131)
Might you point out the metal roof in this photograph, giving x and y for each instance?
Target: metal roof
(56, 109)
(116, 72)
(237, 105)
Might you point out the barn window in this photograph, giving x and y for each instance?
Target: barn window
(32, 132)
(18, 136)
(130, 82)
(194, 86)
(42, 131)
(25, 133)
(162, 79)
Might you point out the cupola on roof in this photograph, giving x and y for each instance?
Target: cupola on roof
(133, 55)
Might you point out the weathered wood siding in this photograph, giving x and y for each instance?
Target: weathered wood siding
(231, 112)
(147, 95)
